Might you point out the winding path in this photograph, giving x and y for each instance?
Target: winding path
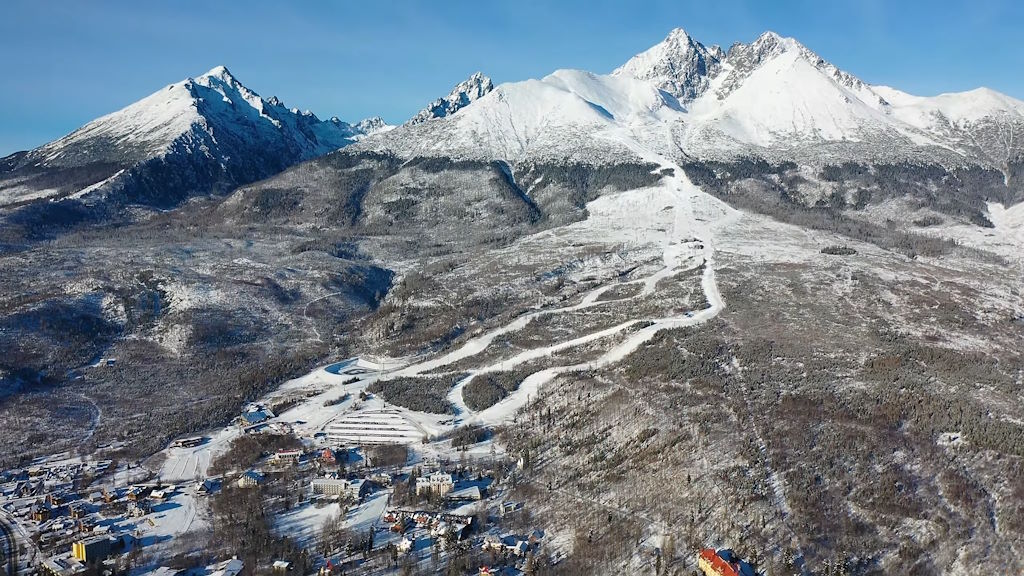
(677, 255)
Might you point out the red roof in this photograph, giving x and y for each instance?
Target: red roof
(719, 565)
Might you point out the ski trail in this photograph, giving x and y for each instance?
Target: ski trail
(477, 344)
(675, 254)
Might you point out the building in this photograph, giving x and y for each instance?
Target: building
(229, 568)
(63, 565)
(508, 507)
(354, 489)
(92, 550)
(250, 479)
(41, 513)
(187, 442)
(282, 566)
(327, 457)
(329, 486)
(284, 455)
(437, 483)
(711, 564)
(255, 417)
(207, 486)
(471, 494)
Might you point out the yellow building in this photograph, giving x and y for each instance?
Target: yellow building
(91, 550)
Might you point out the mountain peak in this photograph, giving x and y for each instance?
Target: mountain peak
(678, 65)
(465, 93)
(220, 73)
(372, 125)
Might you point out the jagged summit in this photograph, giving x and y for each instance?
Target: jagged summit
(214, 131)
(465, 93)
(372, 125)
(678, 65)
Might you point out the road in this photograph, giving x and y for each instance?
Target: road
(9, 548)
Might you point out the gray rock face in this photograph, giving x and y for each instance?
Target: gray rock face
(204, 135)
(465, 93)
(679, 65)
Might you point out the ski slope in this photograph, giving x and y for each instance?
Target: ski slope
(686, 244)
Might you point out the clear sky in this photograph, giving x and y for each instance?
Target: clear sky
(66, 62)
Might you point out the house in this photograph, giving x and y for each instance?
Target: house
(327, 457)
(359, 488)
(229, 568)
(437, 483)
(207, 486)
(137, 493)
(250, 479)
(282, 566)
(506, 543)
(77, 511)
(41, 513)
(92, 549)
(508, 507)
(712, 563)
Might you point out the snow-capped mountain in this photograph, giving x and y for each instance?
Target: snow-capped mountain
(209, 133)
(465, 93)
(771, 98)
(679, 65)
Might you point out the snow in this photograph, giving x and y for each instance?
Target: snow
(204, 116)
(956, 107)
(787, 97)
(771, 98)
(683, 212)
(94, 187)
(303, 523)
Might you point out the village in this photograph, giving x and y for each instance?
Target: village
(349, 482)
(359, 484)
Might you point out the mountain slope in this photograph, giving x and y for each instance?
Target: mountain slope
(465, 93)
(536, 120)
(206, 134)
(979, 122)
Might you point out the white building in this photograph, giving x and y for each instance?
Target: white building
(354, 489)
(438, 483)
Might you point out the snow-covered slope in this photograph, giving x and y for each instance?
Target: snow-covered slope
(775, 93)
(980, 122)
(551, 118)
(216, 132)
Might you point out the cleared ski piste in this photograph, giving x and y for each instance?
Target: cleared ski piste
(612, 218)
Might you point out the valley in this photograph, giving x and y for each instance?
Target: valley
(588, 324)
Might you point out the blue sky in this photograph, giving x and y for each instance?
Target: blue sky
(66, 62)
